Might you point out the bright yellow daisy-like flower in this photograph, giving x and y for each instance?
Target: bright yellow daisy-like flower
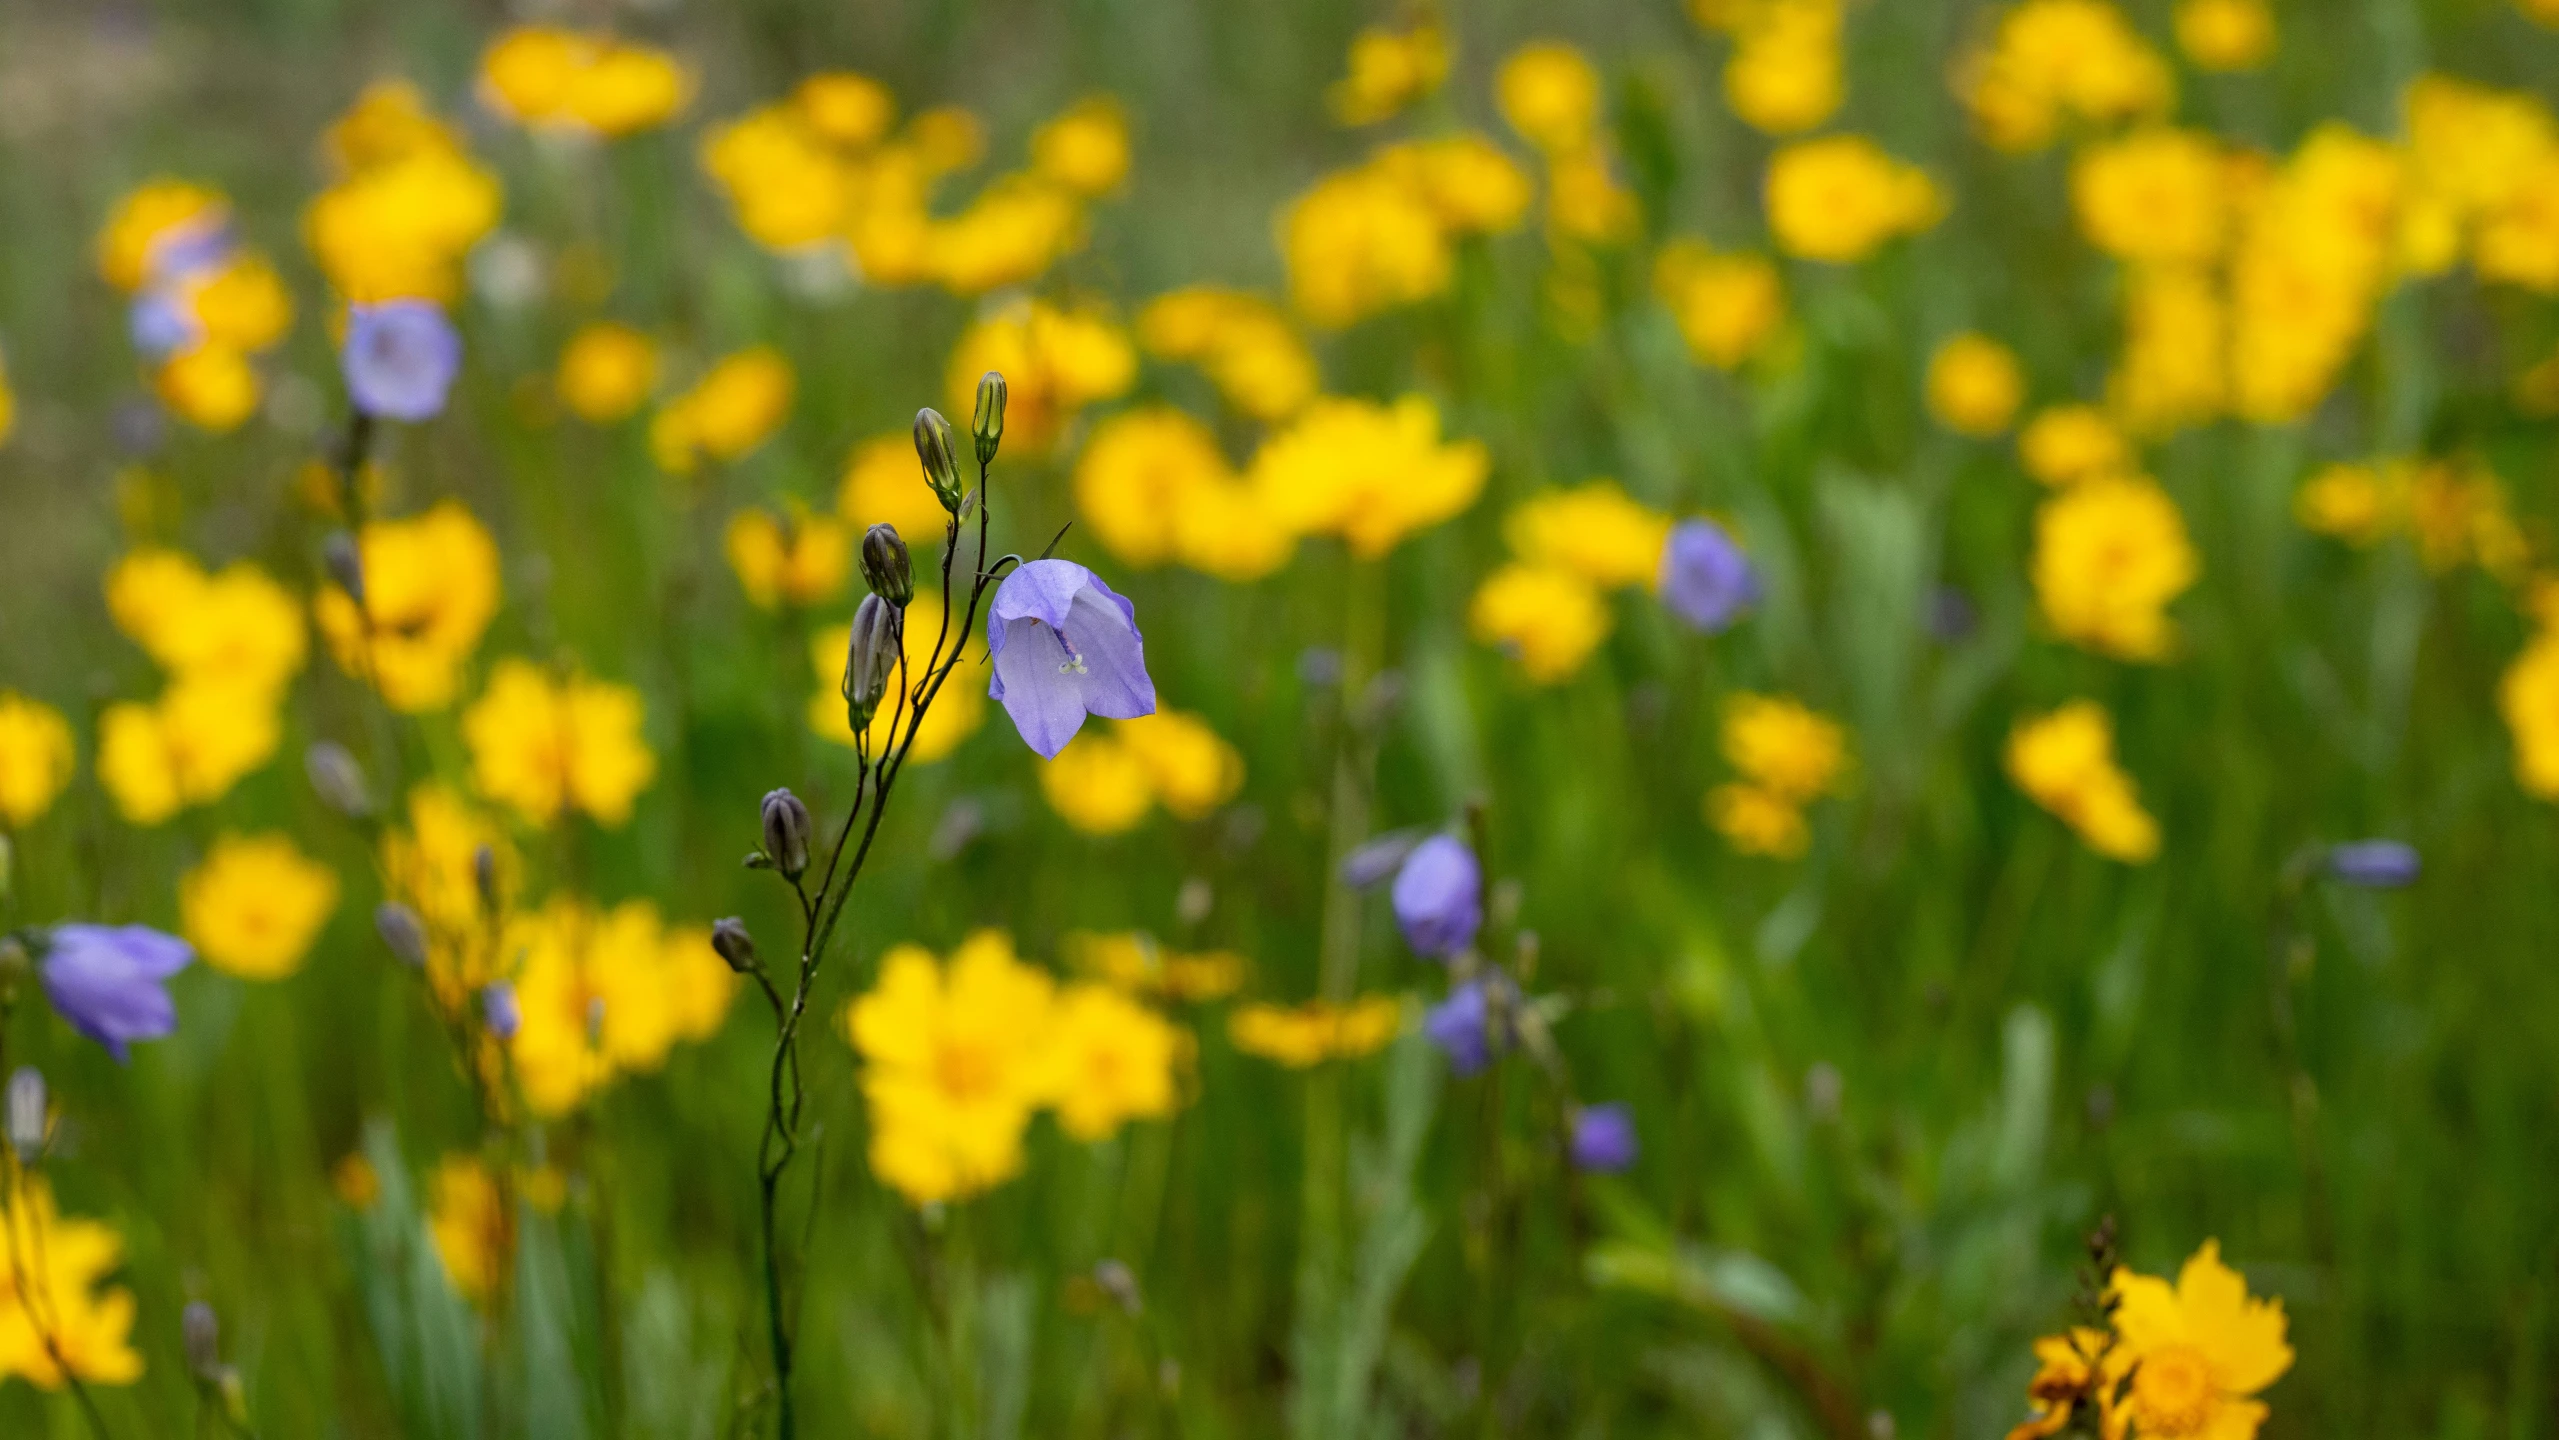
(1138, 472)
(2052, 62)
(1547, 617)
(36, 758)
(2528, 698)
(471, 1225)
(255, 905)
(237, 628)
(59, 1322)
(2156, 196)
(1728, 306)
(1367, 472)
(1302, 1036)
(2065, 762)
(1783, 746)
(1359, 242)
(2198, 1352)
(1468, 182)
(1388, 70)
(1245, 343)
(547, 78)
(601, 993)
(1785, 75)
(884, 484)
(2110, 554)
(409, 205)
(1112, 1060)
(956, 1058)
(2065, 444)
(956, 712)
(606, 372)
(434, 867)
(151, 222)
(1596, 530)
(790, 559)
(1549, 93)
(2226, 34)
(1097, 784)
(430, 590)
(1134, 962)
(187, 748)
(1841, 198)
(1975, 385)
(1106, 780)
(1054, 360)
(1085, 150)
(734, 408)
(543, 744)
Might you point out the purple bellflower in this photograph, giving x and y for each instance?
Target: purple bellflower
(1604, 1138)
(1439, 897)
(2375, 864)
(400, 359)
(1706, 580)
(1456, 1026)
(109, 981)
(1064, 646)
(499, 1011)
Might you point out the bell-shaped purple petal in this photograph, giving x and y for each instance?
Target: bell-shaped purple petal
(400, 359)
(1457, 1026)
(1604, 1138)
(1439, 896)
(1706, 579)
(499, 1011)
(109, 981)
(1064, 646)
(185, 251)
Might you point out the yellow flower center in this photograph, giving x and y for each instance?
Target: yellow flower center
(2173, 1392)
(965, 1072)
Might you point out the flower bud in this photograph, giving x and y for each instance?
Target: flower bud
(867, 663)
(201, 1330)
(402, 932)
(346, 564)
(15, 964)
(729, 937)
(786, 833)
(484, 874)
(338, 779)
(886, 567)
(2375, 864)
(988, 427)
(27, 1114)
(933, 447)
(499, 1011)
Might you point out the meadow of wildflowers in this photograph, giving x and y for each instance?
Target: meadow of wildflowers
(1774, 718)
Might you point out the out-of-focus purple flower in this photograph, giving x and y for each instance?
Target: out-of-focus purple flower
(1439, 896)
(109, 981)
(161, 324)
(1604, 1138)
(2375, 864)
(400, 358)
(499, 1011)
(1376, 861)
(1456, 1026)
(1065, 645)
(1706, 579)
(185, 251)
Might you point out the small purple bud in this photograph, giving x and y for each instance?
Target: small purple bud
(200, 1330)
(1376, 861)
(338, 779)
(499, 1011)
(2375, 864)
(402, 932)
(1439, 897)
(1951, 616)
(1457, 1026)
(400, 359)
(734, 945)
(1706, 580)
(1604, 1138)
(786, 833)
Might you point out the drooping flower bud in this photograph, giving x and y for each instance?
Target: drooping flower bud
(988, 426)
(27, 1114)
(735, 946)
(484, 874)
(338, 779)
(402, 932)
(201, 1330)
(2375, 864)
(786, 833)
(933, 447)
(499, 1011)
(886, 567)
(870, 658)
(346, 564)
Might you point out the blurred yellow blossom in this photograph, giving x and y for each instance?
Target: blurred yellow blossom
(236, 628)
(606, 372)
(2065, 761)
(1543, 615)
(1550, 94)
(212, 387)
(1009, 234)
(543, 744)
(1777, 743)
(150, 223)
(1112, 1060)
(1758, 821)
(1367, 472)
(2065, 444)
(848, 109)
(1138, 471)
(1388, 70)
(884, 484)
(547, 78)
(602, 993)
(8, 403)
(2154, 196)
(1085, 150)
(2355, 503)
(189, 747)
(1097, 784)
(1975, 385)
(1134, 962)
(2196, 1353)
(1468, 182)
(2175, 368)
(1784, 76)
(1247, 346)
(2226, 34)
(430, 590)
(1595, 530)
(792, 559)
(472, 1226)
(1361, 241)
(735, 407)
(1841, 198)
(59, 1321)
(36, 758)
(2314, 254)
(399, 219)
(1227, 531)
(956, 1058)
(2110, 554)
(1727, 305)
(2055, 61)
(2528, 698)
(1306, 1035)
(1054, 360)
(433, 866)
(1105, 781)
(255, 904)
(955, 715)
(786, 185)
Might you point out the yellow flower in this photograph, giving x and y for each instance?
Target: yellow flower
(434, 868)
(884, 485)
(1134, 962)
(2528, 698)
(211, 387)
(2355, 503)
(547, 78)
(2057, 60)
(1098, 784)
(606, 372)
(1727, 306)
(1584, 200)
(2198, 1353)
(388, 121)
(2315, 251)
(1310, 1034)
(149, 222)
(2068, 1371)
(1084, 150)
(1369, 473)
(2065, 444)
(2457, 511)
(473, 1230)
(850, 110)
(956, 713)
(1758, 821)
(1550, 94)
(55, 1317)
(8, 403)
(735, 407)
(2226, 34)
(543, 744)
(1138, 472)
(2154, 196)
(2065, 762)
(255, 905)
(238, 628)
(1546, 617)
(786, 184)
(2175, 370)
(1054, 361)
(1010, 234)
(1227, 531)
(1974, 385)
(954, 1061)
(399, 222)
(796, 559)
(2110, 554)
(1594, 530)
(36, 757)
(1790, 751)
(1359, 242)
(1188, 766)
(430, 590)
(1840, 198)
(1469, 184)
(241, 306)
(1784, 76)
(187, 748)
(606, 993)
(1388, 70)
(1247, 346)
(1113, 1061)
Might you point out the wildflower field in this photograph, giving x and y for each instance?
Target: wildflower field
(1764, 718)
